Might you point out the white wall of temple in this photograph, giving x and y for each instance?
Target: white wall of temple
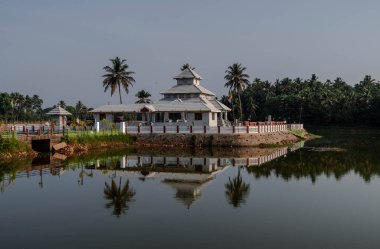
(213, 119)
(190, 118)
(208, 118)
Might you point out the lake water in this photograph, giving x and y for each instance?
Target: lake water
(321, 194)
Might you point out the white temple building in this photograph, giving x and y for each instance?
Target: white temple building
(186, 103)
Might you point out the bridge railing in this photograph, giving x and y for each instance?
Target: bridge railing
(32, 130)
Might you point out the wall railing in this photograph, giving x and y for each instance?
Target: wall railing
(181, 129)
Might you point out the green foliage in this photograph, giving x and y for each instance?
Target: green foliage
(311, 101)
(12, 145)
(143, 97)
(91, 138)
(299, 133)
(118, 76)
(17, 107)
(236, 190)
(348, 151)
(237, 81)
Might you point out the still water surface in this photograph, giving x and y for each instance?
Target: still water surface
(321, 194)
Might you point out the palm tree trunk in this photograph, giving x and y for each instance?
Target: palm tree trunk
(120, 94)
(241, 110)
(233, 110)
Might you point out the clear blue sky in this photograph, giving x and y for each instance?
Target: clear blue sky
(57, 49)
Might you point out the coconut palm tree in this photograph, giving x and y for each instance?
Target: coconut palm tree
(237, 80)
(366, 89)
(80, 109)
(17, 102)
(118, 76)
(62, 104)
(143, 97)
(187, 65)
(118, 197)
(236, 190)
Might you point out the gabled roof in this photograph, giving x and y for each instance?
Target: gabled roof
(219, 105)
(188, 74)
(161, 106)
(204, 90)
(59, 111)
(180, 89)
(119, 108)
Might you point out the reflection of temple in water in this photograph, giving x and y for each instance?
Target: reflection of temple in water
(174, 164)
(187, 175)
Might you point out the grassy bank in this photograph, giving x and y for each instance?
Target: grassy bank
(303, 134)
(12, 145)
(11, 148)
(85, 141)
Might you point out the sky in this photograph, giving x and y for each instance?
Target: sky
(57, 49)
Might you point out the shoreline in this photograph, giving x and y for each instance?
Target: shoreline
(220, 140)
(157, 141)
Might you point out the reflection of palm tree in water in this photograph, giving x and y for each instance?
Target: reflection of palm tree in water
(118, 197)
(40, 183)
(82, 174)
(236, 190)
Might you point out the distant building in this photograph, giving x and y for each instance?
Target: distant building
(58, 116)
(185, 103)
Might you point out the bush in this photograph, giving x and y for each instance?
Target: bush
(12, 145)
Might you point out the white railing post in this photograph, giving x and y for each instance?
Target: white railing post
(97, 126)
(122, 127)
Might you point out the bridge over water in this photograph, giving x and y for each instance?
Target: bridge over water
(40, 138)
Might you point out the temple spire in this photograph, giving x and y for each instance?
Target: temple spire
(188, 77)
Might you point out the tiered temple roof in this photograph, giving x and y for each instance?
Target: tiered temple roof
(186, 96)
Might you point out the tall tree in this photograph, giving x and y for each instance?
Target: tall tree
(237, 81)
(37, 106)
(5, 107)
(366, 89)
(17, 102)
(80, 110)
(62, 104)
(118, 76)
(143, 97)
